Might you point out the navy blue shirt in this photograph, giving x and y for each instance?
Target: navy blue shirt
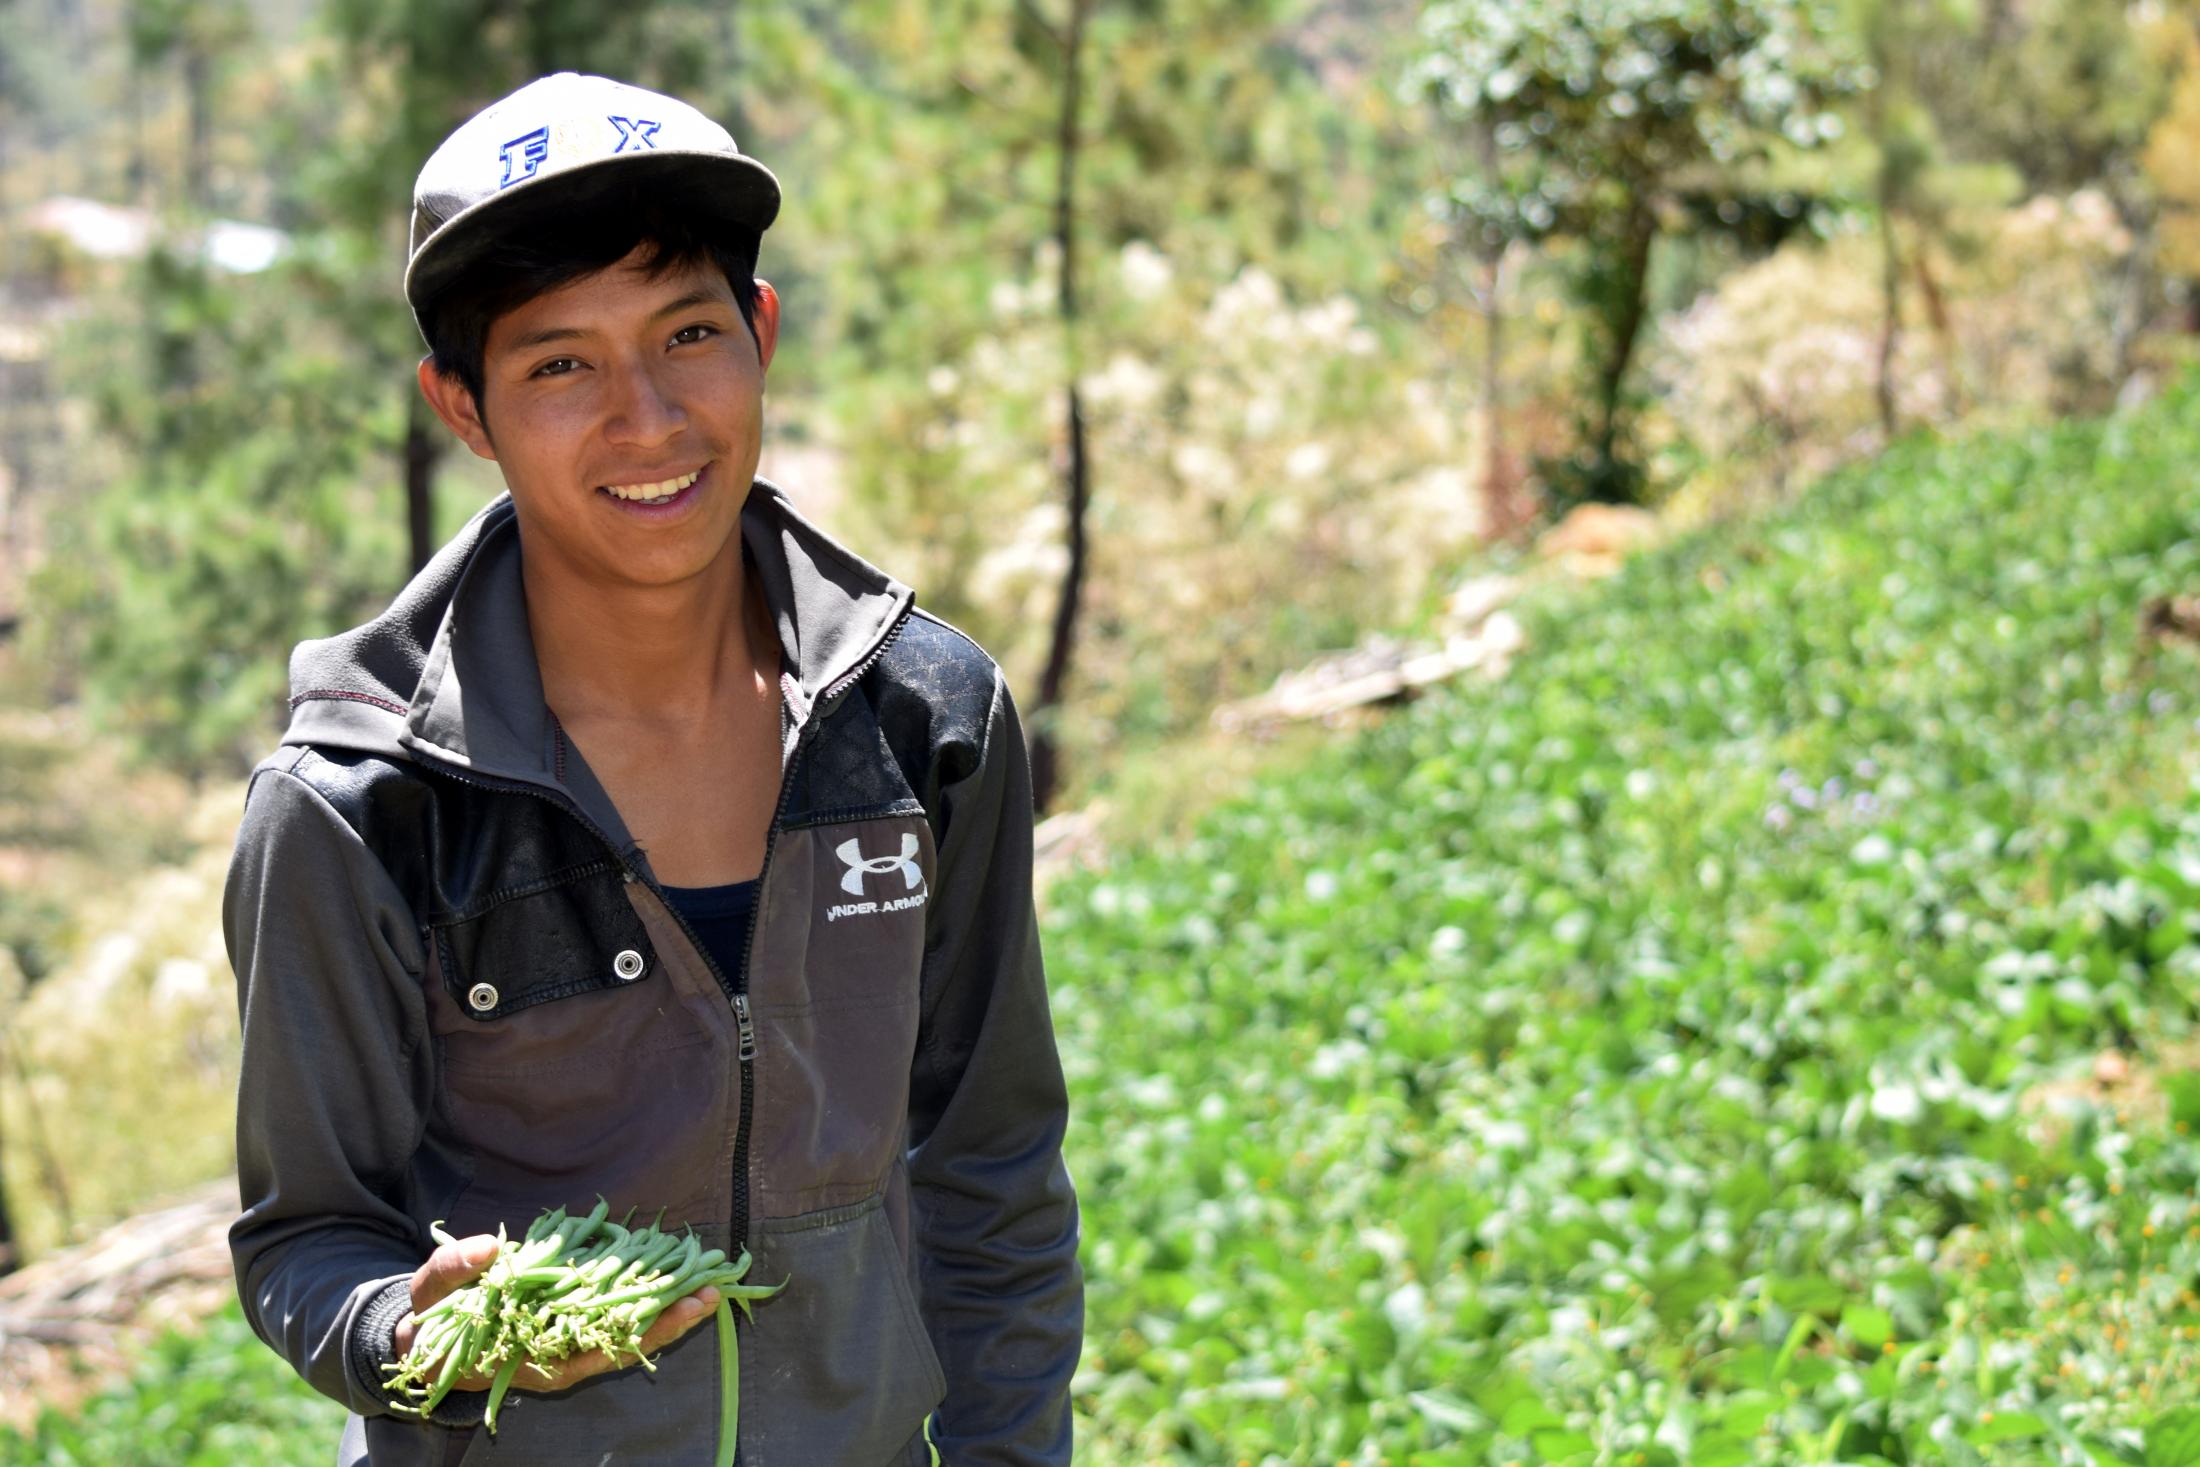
(720, 917)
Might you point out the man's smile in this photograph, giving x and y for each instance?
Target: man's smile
(659, 493)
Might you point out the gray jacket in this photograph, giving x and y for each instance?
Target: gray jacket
(466, 998)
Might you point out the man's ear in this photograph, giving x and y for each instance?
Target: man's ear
(456, 407)
(767, 322)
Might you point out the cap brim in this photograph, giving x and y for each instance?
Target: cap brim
(739, 191)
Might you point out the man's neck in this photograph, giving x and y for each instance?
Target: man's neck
(669, 657)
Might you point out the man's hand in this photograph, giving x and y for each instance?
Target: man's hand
(454, 1265)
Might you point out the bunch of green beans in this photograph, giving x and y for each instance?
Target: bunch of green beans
(573, 1284)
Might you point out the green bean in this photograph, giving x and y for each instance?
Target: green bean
(497, 1388)
(453, 1368)
(729, 1386)
(573, 1284)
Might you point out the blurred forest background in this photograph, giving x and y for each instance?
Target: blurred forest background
(1168, 346)
(1251, 316)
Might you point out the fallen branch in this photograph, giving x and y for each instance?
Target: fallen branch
(69, 1317)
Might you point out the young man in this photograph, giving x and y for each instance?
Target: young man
(651, 845)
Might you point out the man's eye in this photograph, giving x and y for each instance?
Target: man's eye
(681, 336)
(556, 367)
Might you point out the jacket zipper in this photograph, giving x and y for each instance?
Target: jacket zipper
(818, 713)
(739, 992)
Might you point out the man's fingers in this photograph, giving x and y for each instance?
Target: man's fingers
(675, 1321)
(679, 1319)
(451, 1267)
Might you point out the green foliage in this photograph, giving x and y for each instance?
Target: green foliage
(243, 515)
(1591, 106)
(2066, 91)
(217, 1398)
(1653, 1053)
(2174, 1440)
(1598, 123)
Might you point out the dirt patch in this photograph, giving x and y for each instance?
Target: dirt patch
(2128, 1089)
(69, 1321)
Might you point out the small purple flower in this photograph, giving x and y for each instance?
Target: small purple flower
(1779, 817)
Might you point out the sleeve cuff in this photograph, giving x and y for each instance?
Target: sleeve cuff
(371, 1355)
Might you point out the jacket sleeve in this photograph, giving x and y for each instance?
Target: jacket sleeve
(333, 1090)
(995, 1215)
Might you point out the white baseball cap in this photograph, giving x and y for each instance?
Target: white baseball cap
(561, 140)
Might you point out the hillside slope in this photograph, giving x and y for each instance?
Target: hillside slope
(1756, 1031)
(1752, 1032)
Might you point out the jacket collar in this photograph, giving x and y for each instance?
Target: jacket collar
(447, 675)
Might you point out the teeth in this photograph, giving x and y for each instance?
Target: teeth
(656, 493)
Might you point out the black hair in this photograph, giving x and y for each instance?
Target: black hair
(538, 249)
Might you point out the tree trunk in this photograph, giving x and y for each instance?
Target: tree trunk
(2137, 285)
(422, 449)
(1045, 747)
(1504, 502)
(729, 72)
(57, 1183)
(137, 174)
(1504, 497)
(10, 1254)
(198, 161)
(1944, 329)
(1890, 329)
(1625, 309)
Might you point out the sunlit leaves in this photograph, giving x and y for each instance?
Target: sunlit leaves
(1514, 1087)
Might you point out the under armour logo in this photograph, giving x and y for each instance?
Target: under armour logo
(859, 866)
(528, 152)
(639, 131)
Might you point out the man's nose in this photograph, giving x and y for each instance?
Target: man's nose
(643, 411)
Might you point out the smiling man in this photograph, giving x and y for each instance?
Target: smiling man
(652, 845)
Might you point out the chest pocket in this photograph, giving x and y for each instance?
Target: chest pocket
(565, 1032)
(574, 933)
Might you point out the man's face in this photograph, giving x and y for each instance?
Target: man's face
(626, 414)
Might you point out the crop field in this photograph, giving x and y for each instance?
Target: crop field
(1759, 1030)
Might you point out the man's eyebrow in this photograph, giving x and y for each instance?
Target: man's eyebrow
(548, 334)
(544, 336)
(696, 297)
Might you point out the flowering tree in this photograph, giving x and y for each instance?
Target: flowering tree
(1609, 122)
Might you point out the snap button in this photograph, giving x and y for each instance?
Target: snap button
(483, 996)
(627, 965)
